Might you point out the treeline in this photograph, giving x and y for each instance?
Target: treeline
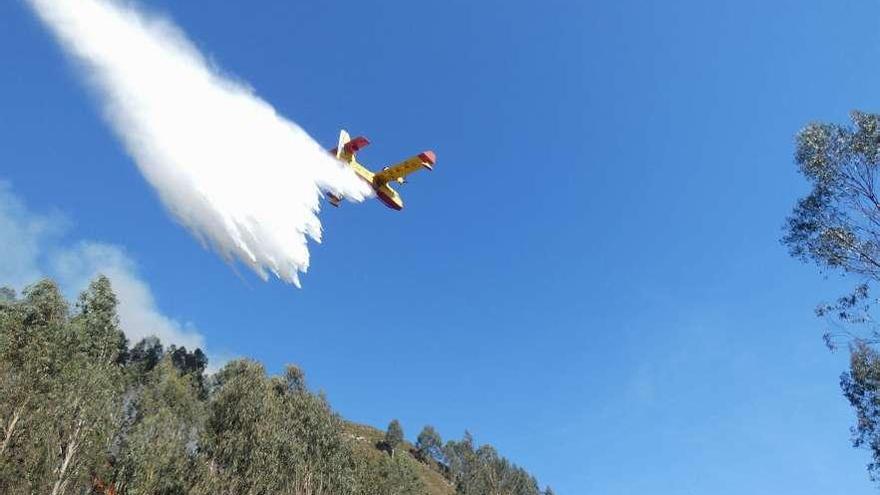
(82, 411)
(473, 471)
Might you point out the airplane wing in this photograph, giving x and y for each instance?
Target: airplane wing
(400, 170)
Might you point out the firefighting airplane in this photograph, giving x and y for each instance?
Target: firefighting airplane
(346, 152)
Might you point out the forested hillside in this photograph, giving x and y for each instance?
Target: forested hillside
(83, 411)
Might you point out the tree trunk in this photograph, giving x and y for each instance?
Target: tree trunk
(72, 446)
(10, 429)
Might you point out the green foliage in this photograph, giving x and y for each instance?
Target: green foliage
(837, 227)
(80, 412)
(265, 436)
(385, 475)
(7, 294)
(145, 355)
(429, 445)
(483, 471)
(393, 436)
(295, 379)
(861, 386)
(157, 454)
(97, 324)
(61, 388)
(193, 364)
(397, 476)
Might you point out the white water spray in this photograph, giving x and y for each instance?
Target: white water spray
(240, 177)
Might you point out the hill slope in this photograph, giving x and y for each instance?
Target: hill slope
(366, 441)
(149, 419)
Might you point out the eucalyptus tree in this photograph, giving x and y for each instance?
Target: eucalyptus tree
(61, 385)
(323, 461)
(31, 344)
(393, 436)
(398, 476)
(482, 471)
(386, 475)
(429, 445)
(80, 412)
(87, 401)
(145, 355)
(270, 435)
(159, 453)
(837, 227)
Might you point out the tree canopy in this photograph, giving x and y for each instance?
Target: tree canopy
(429, 445)
(81, 411)
(393, 436)
(837, 227)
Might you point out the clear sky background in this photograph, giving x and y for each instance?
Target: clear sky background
(591, 279)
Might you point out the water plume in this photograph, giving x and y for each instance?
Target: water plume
(242, 178)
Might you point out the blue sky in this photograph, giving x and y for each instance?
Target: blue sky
(591, 279)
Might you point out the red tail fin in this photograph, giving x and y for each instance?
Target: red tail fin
(356, 145)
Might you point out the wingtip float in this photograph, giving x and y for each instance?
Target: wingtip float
(346, 151)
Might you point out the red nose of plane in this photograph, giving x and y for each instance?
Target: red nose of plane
(429, 157)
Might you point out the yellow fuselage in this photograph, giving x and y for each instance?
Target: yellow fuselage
(383, 191)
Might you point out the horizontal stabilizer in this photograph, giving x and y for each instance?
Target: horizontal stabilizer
(356, 145)
(347, 147)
